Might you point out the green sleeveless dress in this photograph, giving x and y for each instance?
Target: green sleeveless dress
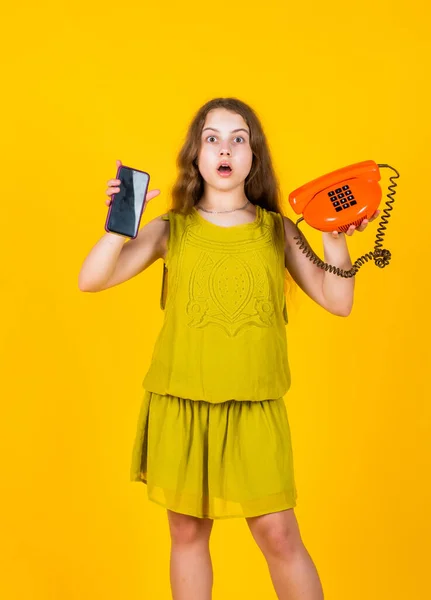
(213, 437)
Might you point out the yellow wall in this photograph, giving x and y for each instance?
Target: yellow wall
(334, 83)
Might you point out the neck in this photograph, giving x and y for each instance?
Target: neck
(216, 199)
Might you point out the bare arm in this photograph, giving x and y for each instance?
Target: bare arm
(333, 293)
(114, 260)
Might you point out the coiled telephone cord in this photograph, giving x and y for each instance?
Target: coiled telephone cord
(381, 256)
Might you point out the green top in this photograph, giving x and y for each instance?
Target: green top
(224, 331)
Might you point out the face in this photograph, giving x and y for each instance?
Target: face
(225, 136)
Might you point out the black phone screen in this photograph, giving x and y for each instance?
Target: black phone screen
(126, 208)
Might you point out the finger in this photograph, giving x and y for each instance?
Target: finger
(112, 190)
(375, 215)
(151, 194)
(363, 225)
(350, 230)
(114, 181)
(335, 234)
(119, 163)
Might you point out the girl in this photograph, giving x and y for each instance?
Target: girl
(213, 438)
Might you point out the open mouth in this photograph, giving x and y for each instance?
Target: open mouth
(224, 170)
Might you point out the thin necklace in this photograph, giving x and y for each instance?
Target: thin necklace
(225, 211)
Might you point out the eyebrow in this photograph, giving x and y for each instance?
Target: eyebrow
(233, 130)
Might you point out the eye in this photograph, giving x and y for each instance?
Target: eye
(238, 137)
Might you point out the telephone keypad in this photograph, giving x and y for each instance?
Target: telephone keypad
(342, 196)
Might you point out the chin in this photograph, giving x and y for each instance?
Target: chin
(223, 185)
(232, 181)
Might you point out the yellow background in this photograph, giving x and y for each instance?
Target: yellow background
(84, 84)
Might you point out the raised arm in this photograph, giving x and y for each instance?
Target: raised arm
(333, 293)
(114, 260)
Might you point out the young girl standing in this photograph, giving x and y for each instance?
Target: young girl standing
(213, 438)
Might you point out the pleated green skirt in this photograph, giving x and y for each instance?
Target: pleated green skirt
(232, 459)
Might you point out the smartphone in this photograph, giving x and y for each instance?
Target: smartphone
(125, 210)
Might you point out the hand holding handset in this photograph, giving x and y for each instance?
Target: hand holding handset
(339, 199)
(128, 198)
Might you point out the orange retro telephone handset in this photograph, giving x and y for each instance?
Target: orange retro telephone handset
(339, 199)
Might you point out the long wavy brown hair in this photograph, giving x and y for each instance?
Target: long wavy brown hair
(261, 185)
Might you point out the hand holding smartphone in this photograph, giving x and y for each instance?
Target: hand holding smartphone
(128, 192)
